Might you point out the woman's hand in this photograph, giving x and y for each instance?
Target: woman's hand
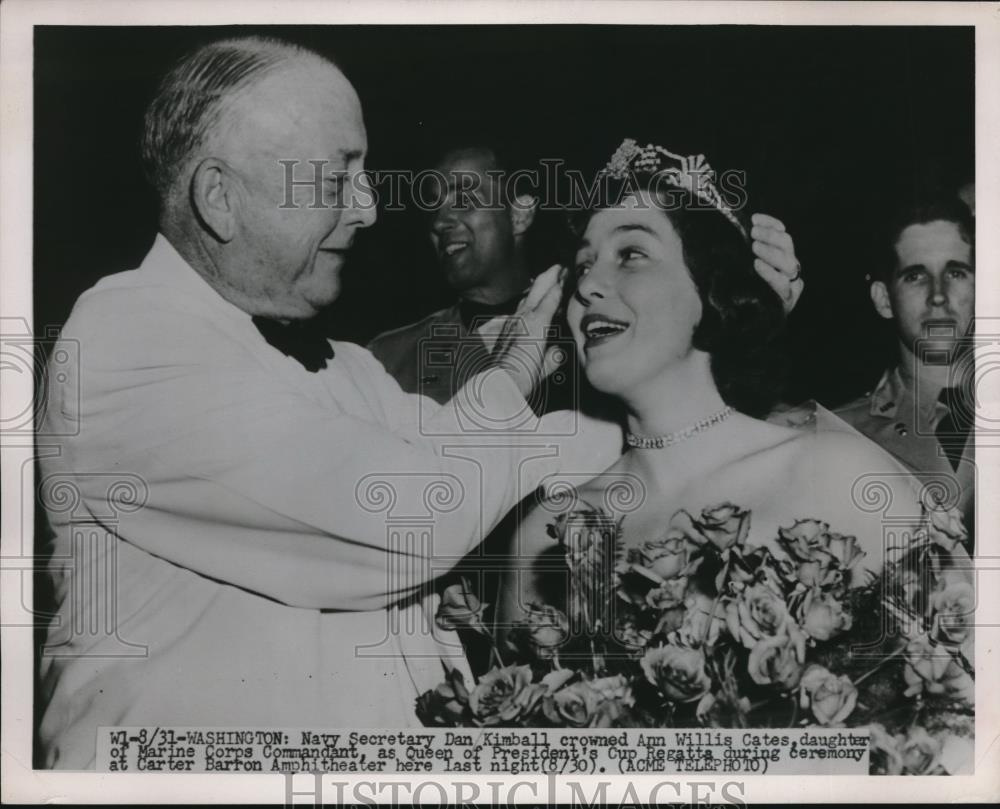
(775, 260)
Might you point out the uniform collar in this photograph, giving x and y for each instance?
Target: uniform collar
(473, 313)
(885, 398)
(893, 397)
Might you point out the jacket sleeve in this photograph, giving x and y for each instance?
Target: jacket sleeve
(259, 485)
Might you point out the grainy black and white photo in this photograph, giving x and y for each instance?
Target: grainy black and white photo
(502, 399)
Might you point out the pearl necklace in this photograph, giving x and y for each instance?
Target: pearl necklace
(668, 440)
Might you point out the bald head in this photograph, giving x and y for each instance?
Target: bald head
(293, 112)
(195, 100)
(257, 149)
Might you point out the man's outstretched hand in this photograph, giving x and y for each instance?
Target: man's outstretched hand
(521, 347)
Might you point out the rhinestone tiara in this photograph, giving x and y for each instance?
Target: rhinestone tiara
(689, 173)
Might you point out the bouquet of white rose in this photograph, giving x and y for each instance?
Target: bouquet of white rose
(702, 629)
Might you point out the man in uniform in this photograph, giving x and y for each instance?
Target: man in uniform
(920, 411)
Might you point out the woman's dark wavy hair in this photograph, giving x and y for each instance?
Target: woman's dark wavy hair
(742, 317)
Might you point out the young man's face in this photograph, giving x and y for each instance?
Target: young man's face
(472, 232)
(931, 292)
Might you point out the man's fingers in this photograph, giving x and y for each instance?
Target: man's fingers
(542, 285)
(767, 221)
(550, 300)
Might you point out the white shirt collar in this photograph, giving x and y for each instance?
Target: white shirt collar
(170, 268)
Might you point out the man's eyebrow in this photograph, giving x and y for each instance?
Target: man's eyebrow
(952, 263)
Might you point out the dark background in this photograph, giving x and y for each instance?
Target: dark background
(829, 124)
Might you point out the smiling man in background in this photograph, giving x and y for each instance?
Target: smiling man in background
(480, 240)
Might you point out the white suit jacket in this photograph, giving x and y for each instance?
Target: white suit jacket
(239, 542)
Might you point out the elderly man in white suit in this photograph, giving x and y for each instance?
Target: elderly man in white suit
(251, 583)
(255, 574)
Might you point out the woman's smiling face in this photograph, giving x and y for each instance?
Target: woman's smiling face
(636, 306)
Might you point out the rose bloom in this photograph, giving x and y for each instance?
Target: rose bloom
(505, 695)
(930, 667)
(775, 661)
(697, 626)
(628, 634)
(757, 612)
(945, 527)
(831, 698)
(954, 607)
(583, 704)
(884, 755)
(919, 751)
(614, 687)
(804, 536)
(753, 565)
(725, 525)
(821, 558)
(665, 557)
(544, 629)
(677, 671)
(911, 582)
(613, 713)
(445, 705)
(720, 527)
(460, 607)
(844, 549)
(822, 616)
(668, 595)
(575, 705)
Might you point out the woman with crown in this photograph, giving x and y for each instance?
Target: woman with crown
(672, 320)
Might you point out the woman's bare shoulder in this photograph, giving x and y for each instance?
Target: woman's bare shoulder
(858, 477)
(842, 452)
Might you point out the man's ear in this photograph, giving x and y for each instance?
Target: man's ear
(214, 199)
(880, 297)
(522, 213)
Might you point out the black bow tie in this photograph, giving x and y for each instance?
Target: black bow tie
(304, 341)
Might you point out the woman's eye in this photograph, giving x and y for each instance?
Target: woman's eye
(581, 270)
(630, 254)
